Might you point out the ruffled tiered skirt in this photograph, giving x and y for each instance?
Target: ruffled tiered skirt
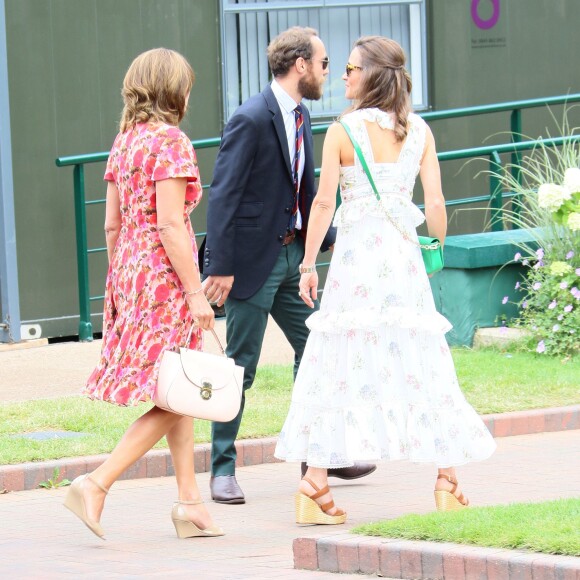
(377, 381)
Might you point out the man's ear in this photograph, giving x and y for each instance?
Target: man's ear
(300, 65)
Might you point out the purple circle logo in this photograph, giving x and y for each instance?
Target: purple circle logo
(480, 22)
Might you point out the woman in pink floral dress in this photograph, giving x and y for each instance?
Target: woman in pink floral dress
(153, 290)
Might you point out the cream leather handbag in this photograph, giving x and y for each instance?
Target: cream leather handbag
(199, 384)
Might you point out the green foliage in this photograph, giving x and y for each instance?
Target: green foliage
(551, 527)
(547, 204)
(550, 307)
(53, 482)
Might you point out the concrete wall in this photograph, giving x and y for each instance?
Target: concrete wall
(67, 58)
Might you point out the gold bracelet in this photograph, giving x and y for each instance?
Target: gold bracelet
(306, 269)
(193, 292)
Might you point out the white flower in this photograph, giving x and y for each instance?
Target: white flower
(552, 196)
(572, 179)
(574, 221)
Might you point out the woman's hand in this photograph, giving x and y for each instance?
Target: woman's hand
(201, 311)
(308, 288)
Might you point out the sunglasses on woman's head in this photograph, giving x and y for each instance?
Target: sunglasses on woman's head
(351, 67)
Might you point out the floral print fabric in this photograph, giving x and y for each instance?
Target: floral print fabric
(145, 309)
(377, 381)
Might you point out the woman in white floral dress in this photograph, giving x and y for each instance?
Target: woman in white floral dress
(377, 381)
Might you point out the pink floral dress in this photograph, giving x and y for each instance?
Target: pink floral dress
(145, 308)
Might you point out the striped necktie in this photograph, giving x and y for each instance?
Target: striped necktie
(299, 119)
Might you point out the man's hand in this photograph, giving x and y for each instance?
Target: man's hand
(217, 288)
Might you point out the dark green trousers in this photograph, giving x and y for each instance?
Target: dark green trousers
(246, 322)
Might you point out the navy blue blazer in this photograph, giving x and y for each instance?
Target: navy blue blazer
(252, 194)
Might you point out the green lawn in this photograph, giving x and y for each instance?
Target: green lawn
(493, 381)
(496, 381)
(552, 527)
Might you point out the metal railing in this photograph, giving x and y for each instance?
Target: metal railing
(495, 197)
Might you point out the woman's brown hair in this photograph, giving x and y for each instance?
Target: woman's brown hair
(385, 83)
(155, 88)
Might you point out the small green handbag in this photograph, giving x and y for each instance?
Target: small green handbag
(432, 253)
(431, 248)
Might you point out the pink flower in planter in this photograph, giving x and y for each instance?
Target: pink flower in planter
(568, 308)
(541, 347)
(563, 285)
(505, 299)
(537, 286)
(569, 255)
(552, 305)
(517, 257)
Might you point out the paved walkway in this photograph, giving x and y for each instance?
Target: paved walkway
(61, 369)
(39, 539)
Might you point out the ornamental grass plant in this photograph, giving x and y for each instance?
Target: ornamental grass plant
(547, 205)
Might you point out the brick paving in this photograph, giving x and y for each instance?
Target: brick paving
(40, 539)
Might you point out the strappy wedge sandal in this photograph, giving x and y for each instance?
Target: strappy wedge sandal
(75, 502)
(308, 511)
(447, 501)
(185, 528)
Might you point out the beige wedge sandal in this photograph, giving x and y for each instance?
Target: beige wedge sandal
(185, 528)
(447, 501)
(75, 502)
(310, 512)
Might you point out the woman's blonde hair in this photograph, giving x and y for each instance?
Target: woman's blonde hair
(155, 88)
(385, 83)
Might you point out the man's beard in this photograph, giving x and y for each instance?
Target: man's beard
(309, 88)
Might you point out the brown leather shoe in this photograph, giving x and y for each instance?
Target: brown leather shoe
(225, 489)
(359, 469)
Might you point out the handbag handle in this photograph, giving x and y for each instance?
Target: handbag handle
(188, 340)
(365, 166)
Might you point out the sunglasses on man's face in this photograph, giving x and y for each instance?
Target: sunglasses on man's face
(351, 67)
(325, 62)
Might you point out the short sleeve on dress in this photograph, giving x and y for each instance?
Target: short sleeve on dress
(111, 161)
(176, 158)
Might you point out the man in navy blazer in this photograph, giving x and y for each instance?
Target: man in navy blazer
(258, 210)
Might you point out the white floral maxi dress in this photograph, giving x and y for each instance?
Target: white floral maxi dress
(377, 381)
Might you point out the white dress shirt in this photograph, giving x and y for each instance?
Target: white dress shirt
(287, 105)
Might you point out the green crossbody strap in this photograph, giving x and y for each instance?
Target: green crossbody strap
(363, 162)
(432, 243)
(361, 157)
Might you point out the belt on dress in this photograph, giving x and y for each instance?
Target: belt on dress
(289, 238)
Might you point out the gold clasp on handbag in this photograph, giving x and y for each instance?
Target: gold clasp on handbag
(206, 391)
